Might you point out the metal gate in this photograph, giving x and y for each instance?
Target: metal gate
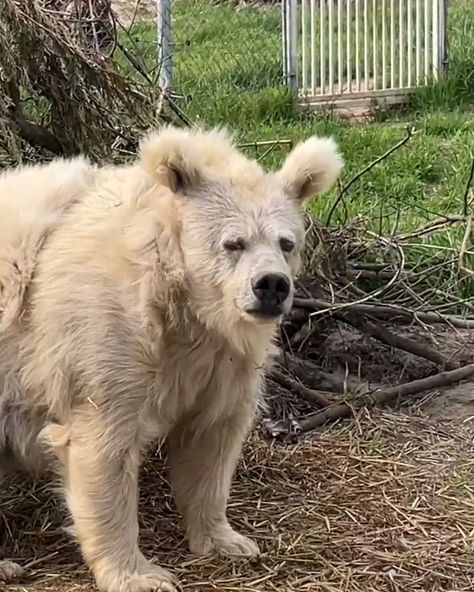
(349, 53)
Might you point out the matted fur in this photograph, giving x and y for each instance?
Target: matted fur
(141, 324)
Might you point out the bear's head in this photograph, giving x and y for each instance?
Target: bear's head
(241, 229)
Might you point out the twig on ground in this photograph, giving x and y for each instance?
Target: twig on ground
(379, 397)
(435, 225)
(311, 374)
(379, 291)
(368, 274)
(296, 387)
(386, 311)
(404, 343)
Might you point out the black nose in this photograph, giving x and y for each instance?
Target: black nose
(271, 288)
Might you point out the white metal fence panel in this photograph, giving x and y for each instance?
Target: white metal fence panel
(351, 51)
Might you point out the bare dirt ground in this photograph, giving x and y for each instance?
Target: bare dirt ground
(454, 404)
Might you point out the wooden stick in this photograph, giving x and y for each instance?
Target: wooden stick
(303, 391)
(399, 342)
(263, 143)
(378, 397)
(387, 312)
(311, 374)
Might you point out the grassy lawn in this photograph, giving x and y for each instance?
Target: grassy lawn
(227, 67)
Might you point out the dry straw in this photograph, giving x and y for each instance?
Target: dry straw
(384, 504)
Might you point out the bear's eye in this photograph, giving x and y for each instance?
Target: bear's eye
(286, 245)
(235, 244)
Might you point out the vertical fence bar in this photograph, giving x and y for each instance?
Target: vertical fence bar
(349, 48)
(384, 44)
(290, 65)
(443, 21)
(427, 39)
(322, 44)
(331, 45)
(284, 46)
(366, 45)
(313, 45)
(418, 41)
(339, 45)
(292, 15)
(392, 43)
(401, 53)
(357, 43)
(409, 44)
(435, 38)
(375, 46)
(163, 30)
(304, 40)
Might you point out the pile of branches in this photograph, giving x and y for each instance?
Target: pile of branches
(370, 324)
(92, 24)
(61, 91)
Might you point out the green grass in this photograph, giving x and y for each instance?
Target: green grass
(227, 66)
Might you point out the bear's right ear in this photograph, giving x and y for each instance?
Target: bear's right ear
(169, 157)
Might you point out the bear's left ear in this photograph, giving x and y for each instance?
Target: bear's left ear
(170, 156)
(311, 167)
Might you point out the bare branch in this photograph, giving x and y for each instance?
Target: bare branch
(378, 397)
(294, 386)
(387, 311)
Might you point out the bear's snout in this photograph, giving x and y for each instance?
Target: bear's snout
(271, 291)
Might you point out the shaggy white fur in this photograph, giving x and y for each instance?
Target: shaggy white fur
(140, 304)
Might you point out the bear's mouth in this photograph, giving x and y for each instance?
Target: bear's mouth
(269, 312)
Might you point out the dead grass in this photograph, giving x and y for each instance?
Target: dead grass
(382, 504)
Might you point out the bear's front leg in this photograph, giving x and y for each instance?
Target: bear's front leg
(100, 471)
(202, 460)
